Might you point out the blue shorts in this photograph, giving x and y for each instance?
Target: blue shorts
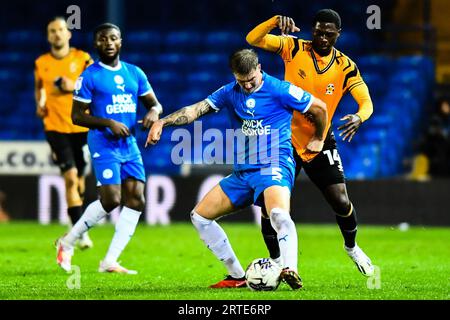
(114, 171)
(244, 188)
(114, 162)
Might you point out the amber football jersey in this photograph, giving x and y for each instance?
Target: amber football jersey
(48, 70)
(327, 78)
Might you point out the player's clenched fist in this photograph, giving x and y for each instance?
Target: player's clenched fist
(155, 133)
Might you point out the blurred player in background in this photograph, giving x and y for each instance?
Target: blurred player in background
(55, 75)
(110, 89)
(259, 105)
(319, 68)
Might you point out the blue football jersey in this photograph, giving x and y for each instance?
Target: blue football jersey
(261, 121)
(112, 92)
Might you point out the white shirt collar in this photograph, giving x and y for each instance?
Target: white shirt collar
(260, 86)
(118, 67)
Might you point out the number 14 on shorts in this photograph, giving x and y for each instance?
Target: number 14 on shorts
(333, 157)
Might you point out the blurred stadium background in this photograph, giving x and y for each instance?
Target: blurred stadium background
(183, 47)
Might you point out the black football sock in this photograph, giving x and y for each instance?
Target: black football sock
(270, 238)
(348, 226)
(75, 214)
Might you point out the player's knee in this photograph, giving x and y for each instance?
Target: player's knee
(71, 182)
(137, 202)
(110, 205)
(341, 204)
(110, 202)
(72, 195)
(280, 219)
(140, 203)
(198, 221)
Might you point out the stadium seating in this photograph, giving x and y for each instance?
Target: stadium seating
(400, 100)
(185, 65)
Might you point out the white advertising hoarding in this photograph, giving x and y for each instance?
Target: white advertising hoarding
(26, 158)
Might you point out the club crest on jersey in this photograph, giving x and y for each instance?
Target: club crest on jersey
(119, 82)
(330, 89)
(250, 103)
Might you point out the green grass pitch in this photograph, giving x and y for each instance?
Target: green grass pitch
(174, 264)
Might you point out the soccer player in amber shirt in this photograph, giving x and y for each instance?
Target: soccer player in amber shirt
(319, 68)
(55, 74)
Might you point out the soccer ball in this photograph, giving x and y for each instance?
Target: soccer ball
(263, 274)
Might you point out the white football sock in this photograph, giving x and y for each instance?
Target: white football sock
(287, 237)
(278, 261)
(125, 227)
(93, 213)
(217, 241)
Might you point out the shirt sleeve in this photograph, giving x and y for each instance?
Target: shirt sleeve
(352, 77)
(295, 97)
(144, 86)
(83, 88)
(261, 38)
(361, 95)
(287, 46)
(218, 99)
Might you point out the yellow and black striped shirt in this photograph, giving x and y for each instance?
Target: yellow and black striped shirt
(327, 78)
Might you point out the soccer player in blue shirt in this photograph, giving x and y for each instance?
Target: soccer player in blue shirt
(260, 106)
(109, 89)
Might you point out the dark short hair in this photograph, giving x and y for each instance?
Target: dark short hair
(104, 26)
(244, 61)
(55, 18)
(327, 15)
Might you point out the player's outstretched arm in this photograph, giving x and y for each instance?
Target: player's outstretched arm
(260, 37)
(181, 117)
(318, 115)
(81, 118)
